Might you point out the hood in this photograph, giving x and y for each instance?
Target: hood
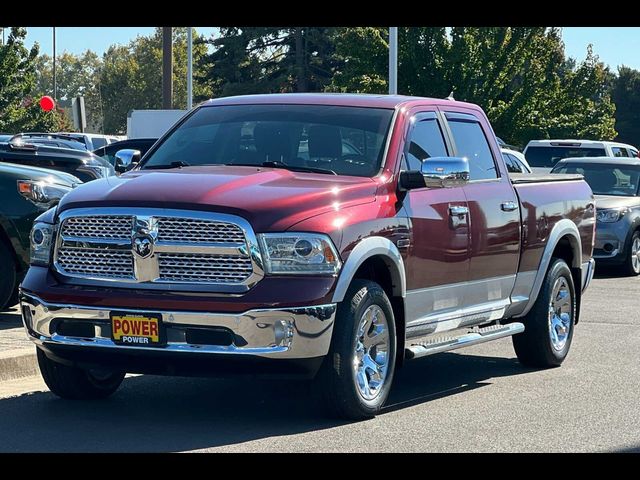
(614, 201)
(269, 198)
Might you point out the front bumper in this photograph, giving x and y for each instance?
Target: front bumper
(610, 241)
(284, 333)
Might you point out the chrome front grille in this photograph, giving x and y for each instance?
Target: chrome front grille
(198, 231)
(157, 248)
(97, 262)
(188, 267)
(111, 227)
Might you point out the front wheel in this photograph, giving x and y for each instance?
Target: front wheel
(74, 383)
(632, 262)
(357, 373)
(548, 332)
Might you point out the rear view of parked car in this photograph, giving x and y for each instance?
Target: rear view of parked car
(543, 155)
(26, 192)
(616, 185)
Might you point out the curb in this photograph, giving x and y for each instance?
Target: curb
(18, 363)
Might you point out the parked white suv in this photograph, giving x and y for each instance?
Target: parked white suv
(542, 155)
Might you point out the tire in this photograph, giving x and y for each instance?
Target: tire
(8, 278)
(73, 383)
(350, 387)
(536, 346)
(632, 255)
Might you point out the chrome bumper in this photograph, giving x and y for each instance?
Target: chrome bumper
(588, 269)
(293, 333)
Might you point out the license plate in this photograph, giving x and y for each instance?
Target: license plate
(137, 329)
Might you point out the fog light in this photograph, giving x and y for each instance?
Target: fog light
(283, 333)
(608, 248)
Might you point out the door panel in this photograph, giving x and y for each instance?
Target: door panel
(494, 215)
(439, 252)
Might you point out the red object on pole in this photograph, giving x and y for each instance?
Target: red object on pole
(47, 104)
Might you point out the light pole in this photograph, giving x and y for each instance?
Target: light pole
(189, 68)
(393, 60)
(167, 68)
(55, 82)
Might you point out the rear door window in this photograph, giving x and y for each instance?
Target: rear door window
(619, 152)
(471, 143)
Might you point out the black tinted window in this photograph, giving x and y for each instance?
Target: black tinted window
(98, 142)
(472, 144)
(549, 156)
(619, 152)
(425, 141)
(346, 140)
(606, 179)
(513, 166)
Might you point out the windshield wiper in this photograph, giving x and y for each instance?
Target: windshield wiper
(164, 166)
(293, 168)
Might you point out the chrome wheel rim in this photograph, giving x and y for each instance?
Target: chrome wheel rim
(371, 359)
(560, 316)
(635, 254)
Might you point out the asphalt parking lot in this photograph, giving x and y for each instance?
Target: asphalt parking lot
(477, 399)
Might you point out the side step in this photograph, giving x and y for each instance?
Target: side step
(478, 335)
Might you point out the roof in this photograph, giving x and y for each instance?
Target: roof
(628, 161)
(574, 140)
(339, 99)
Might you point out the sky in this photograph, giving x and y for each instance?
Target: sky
(614, 45)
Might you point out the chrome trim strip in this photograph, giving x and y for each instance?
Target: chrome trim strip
(588, 270)
(521, 291)
(367, 248)
(294, 332)
(148, 268)
(563, 227)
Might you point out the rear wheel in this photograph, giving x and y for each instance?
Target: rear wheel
(8, 278)
(548, 332)
(74, 383)
(632, 261)
(357, 373)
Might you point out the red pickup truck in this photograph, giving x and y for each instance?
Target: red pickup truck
(330, 236)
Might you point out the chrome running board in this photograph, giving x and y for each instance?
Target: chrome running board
(472, 337)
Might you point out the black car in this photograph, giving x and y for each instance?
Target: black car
(26, 192)
(80, 163)
(108, 152)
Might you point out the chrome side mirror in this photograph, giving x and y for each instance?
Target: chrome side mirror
(445, 172)
(126, 159)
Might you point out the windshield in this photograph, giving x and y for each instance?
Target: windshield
(332, 139)
(549, 156)
(606, 179)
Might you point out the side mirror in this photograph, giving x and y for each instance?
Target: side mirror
(126, 159)
(437, 172)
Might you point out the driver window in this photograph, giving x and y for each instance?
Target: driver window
(425, 140)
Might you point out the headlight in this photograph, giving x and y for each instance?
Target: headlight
(97, 171)
(299, 253)
(610, 215)
(41, 241)
(42, 193)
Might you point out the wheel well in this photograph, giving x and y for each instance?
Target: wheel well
(4, 238)
(376, 270)
(565, 251)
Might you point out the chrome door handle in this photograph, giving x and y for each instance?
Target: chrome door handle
(509, 206)
(458, 211)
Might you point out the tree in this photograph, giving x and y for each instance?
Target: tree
(75, 75)
(131, 76)
(19, 110)
(519, 75)
(269, 60)
(625, 91)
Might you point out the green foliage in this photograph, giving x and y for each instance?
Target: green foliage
(269, 60)
(19, 110)
(131, 76)
(519, 75)
(76, 75)
(626, 95)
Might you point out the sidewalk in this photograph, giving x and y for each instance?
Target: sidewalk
(17, 353)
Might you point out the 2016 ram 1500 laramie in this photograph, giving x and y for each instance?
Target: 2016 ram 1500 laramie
(318, 235)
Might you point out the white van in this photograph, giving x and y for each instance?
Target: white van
(542, 155)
